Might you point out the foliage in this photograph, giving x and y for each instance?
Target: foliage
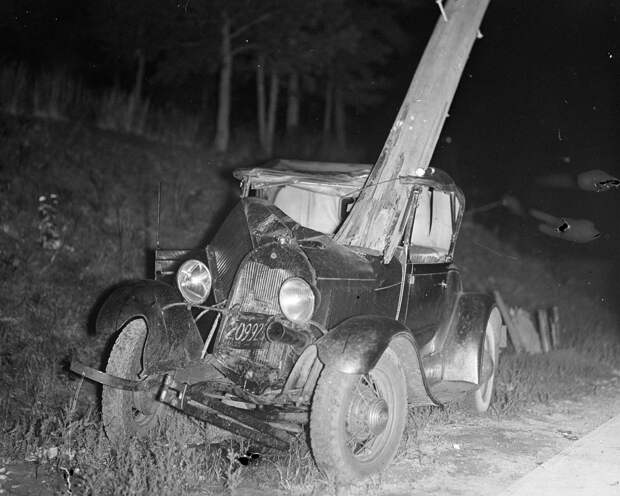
(139, 54)
(105, 215)
(126, 29)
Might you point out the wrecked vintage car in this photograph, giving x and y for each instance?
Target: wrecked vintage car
(274, 328)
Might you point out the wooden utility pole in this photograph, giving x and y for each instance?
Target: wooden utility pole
(375, 223)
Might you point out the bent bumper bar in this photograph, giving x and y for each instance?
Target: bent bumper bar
(111, 380)
(180, 396)
(242, 423)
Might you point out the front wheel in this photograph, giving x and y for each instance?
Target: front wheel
(357, 421)
(128, 413)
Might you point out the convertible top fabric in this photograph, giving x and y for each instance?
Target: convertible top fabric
(314, 210)
(311, 194)
(328, 178)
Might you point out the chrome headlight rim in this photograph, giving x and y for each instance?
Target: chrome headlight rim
(194, 281)
(297, 300)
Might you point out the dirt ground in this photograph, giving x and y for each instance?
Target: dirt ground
(474, 456)
(464, 455)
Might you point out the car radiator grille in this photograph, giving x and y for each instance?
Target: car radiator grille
(256, 291)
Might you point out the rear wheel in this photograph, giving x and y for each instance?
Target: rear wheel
(128, 413)
(357, 421)
(479, 400)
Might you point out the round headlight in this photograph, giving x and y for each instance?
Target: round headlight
(194, 281)
(296, 299)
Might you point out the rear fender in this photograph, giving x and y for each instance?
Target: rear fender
(463, 350)
(172, 338)
(355, 346)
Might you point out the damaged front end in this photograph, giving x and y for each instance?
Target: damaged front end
(172, 338)
(254, 373)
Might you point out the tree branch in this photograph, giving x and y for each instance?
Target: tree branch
(240, 30)
(244, 48)
(191, 44)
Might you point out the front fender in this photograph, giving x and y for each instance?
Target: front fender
(355, 345)
(172, 336)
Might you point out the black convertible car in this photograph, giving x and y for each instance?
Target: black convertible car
(274, 328)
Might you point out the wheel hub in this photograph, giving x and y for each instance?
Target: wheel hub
(377, 417)
(368, 416)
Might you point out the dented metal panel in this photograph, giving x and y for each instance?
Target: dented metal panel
(411, 305)
(258, 362)
(461, 350)
(172, 335)
(231, 243)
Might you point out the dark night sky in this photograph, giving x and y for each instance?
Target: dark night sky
(541, 85)
(541, 90)
(546, 77)
(540, 94)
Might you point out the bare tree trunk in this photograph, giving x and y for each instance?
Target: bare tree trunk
(328, 110)
(376, 221)
(340, 119)
(292, 107)
(205, 98)
(260, 101)
(136, 92)
(274, 88)
(222, 132)
(139, 82)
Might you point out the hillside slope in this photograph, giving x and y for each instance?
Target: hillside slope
(59, 257)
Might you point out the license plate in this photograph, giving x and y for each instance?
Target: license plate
(246, 332)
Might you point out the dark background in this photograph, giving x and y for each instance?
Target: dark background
(538, 95)
(543, 79)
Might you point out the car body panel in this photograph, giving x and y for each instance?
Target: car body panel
(462, 349)
(172, 338)
(413, 305)
(355, 346)
(350, 282)
(430, 297)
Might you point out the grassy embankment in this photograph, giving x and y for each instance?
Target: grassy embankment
(105, 222)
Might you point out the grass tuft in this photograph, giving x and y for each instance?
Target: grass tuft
(526, 379)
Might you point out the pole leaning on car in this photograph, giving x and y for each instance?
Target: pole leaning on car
(375, 223)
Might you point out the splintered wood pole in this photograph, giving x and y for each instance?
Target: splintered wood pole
(376, 221)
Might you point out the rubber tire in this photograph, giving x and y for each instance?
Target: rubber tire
(330, 405)
(120, 417)
(479, 400)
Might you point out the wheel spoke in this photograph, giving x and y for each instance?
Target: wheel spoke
(359, 427)
(360, 388)
(373, 385)
(361, 447)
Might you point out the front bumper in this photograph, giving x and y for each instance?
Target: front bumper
(197, 400)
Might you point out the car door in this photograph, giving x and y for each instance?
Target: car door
(431, 277)
(426, 296)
